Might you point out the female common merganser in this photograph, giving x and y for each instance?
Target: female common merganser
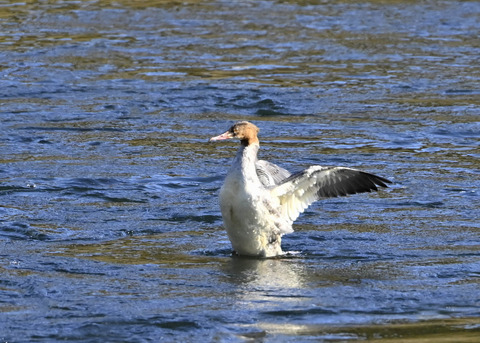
(260, 201)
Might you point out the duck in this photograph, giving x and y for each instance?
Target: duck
(259, 200)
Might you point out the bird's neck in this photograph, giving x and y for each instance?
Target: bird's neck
(250, 140)
(246, 159)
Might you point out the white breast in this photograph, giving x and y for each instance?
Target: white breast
(249, 216)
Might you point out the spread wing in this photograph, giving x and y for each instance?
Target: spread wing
(301, 189)
(270, 174)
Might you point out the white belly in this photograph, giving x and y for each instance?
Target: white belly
(249, 223)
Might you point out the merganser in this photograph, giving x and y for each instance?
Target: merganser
(260, 201)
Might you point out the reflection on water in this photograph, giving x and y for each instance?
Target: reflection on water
(109, 220)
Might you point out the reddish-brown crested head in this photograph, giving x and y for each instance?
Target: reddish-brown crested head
(245, 131)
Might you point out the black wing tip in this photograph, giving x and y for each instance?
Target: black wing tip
(377, 180)
(363, 183)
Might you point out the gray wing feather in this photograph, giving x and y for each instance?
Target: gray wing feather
(270, 174)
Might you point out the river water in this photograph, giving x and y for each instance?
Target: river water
(110, 228)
